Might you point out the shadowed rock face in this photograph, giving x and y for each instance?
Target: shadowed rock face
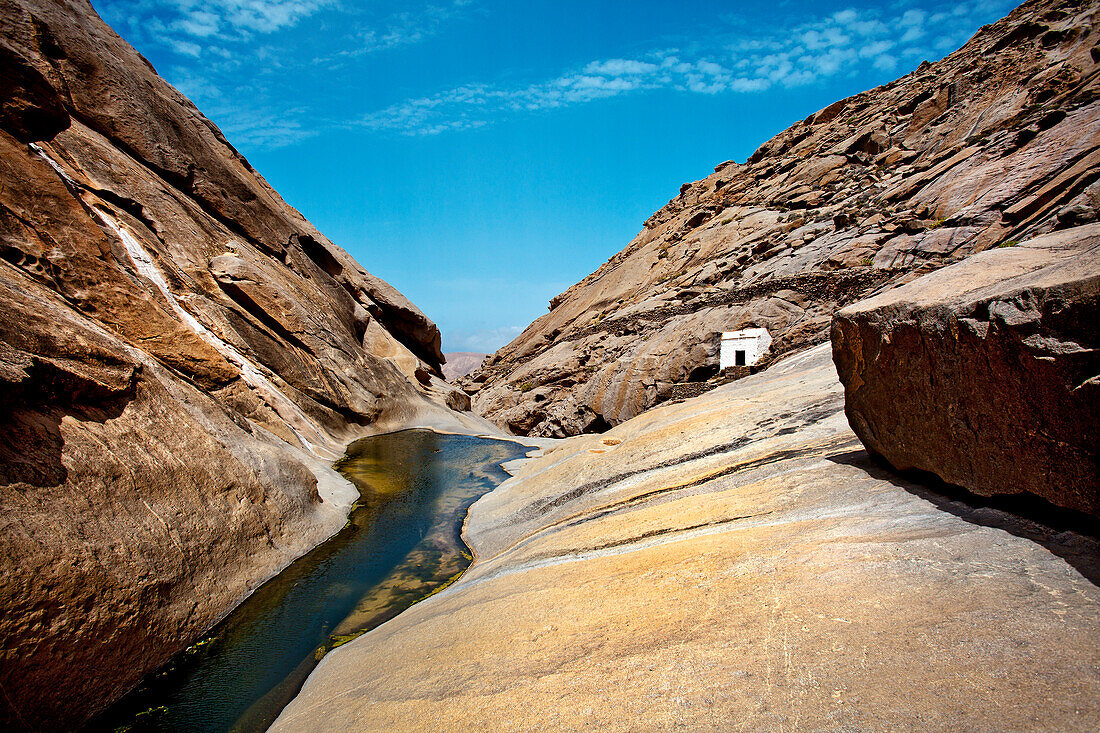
(733, 562)
(181, 354)
(986, 373)
(999, 141)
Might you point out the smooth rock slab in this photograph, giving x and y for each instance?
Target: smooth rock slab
(736, 562)
(986, 373)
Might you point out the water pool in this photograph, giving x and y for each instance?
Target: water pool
(401, 544)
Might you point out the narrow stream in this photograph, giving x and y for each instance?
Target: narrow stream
(401, 544)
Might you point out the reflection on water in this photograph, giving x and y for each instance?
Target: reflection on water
(401, 544)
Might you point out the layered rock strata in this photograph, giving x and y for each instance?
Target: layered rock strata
(998, 142)
(733, 562)
(987, 372)
(181, 355)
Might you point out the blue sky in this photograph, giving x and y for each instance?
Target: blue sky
(483, 155)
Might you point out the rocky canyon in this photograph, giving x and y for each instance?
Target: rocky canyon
(182, 356)
(996, 143)
(736, 561)
(771, 548)
(888, 523)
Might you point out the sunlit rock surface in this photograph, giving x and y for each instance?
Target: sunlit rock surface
(181, 356)
(998, 142)
(733, 562)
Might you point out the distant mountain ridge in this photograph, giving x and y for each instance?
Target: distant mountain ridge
(997, 142)
(461, 363)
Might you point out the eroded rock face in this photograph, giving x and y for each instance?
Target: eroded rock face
(999, 141)
(734, 561)
(986, 373)
(181, 355)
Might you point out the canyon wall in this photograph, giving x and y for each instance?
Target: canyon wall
(741, 559)
(996, 143)
(181, 356)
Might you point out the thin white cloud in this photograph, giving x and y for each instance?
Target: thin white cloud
(185, 48)
(203, 18)
(173, 21)
(476, 105)
(620, 67)
(181, 24)
(198, 23)
(875, 49)
(244, 123)
(193, 86)
(392, 31)
(841, 44)
(885, 62)
(225, 48)
(912, 22)
(250, 127)
(214, 41)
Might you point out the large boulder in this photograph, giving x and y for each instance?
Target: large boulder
(986, 373)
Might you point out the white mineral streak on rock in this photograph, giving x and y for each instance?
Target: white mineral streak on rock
(310, 435)
(53, 164)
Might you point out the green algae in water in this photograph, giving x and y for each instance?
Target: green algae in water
(401, 545)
